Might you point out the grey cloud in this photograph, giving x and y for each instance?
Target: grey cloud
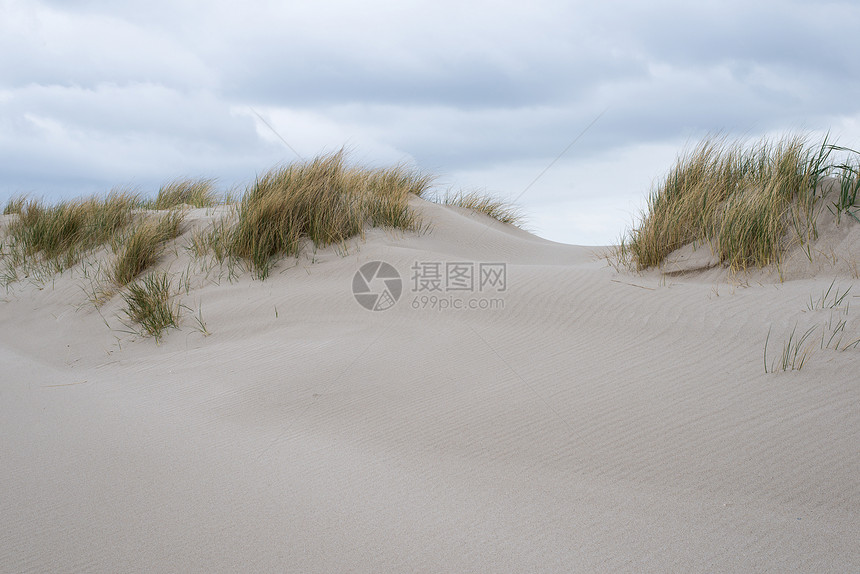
(103, 93)
(60, 140)
(788, 35)
(447, 79)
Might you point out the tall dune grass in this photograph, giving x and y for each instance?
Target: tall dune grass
(57, 236)
(848, 178)
(15, 204)
(481, 202)
(140, 248)
(748, 201)
(185, 191)
(324, 201)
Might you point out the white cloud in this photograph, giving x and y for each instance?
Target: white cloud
(113, 135)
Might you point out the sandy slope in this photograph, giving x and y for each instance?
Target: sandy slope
(599, 421)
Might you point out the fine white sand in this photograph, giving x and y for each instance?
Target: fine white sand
(599, 421)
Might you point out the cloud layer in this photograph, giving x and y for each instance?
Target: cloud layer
(485, 94)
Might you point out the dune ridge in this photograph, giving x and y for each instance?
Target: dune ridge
(600, 419)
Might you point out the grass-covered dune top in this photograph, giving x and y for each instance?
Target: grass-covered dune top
(46, 239)
(749, 202)
(323, 200)
(124, 234)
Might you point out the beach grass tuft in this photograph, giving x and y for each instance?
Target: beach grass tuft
(57, 236)
(847, 175)
(141, 246)
(15, 204)
(323, 201)
(482, 202)
(185, 191)
(795, 351)
(148, 304)
(749, 202)
(829, 298)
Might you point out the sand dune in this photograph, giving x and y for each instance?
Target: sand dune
(592, 420)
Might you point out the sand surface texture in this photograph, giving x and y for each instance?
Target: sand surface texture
(592, 420)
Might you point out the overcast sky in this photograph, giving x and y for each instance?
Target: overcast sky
(96, 94)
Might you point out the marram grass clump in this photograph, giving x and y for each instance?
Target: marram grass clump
(185, 191)
(142, 245)
(749, 202)
(149, 305)
(57, 236)
(481, 202)
(15, 204)
(324, 201)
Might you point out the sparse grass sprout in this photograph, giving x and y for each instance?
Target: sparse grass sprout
(148, 304)
(481, 202)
